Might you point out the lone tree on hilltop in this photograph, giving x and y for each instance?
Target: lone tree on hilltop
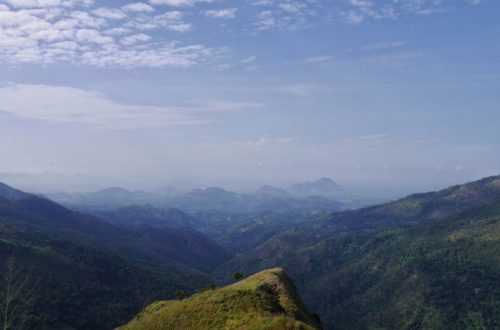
(238, 276)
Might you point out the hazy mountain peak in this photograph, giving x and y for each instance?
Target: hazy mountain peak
(272, 191)
(321, 187)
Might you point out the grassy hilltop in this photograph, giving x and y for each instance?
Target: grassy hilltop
(266, 300)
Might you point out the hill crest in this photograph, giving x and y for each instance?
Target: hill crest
(266, 300)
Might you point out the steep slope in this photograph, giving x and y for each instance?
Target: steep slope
(267, 300)
(104, 199)
(147, 216)
(428, 261)
(67, 285)
(420, 208)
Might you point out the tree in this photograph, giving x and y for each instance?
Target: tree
(238, 276)
(210, 287)
(181, 294)
(16, 295)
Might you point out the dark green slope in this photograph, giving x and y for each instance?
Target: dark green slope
(147, 216)
(75, 286)
(429, 261)
(89, 274)
(167, 247)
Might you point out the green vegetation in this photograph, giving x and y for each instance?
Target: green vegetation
(429, 261)
(75, 286)
(267, 300)
(88, 273)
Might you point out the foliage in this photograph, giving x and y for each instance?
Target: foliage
(429, 261)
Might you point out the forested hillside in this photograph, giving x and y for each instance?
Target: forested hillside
(429, 261)
(75, 271)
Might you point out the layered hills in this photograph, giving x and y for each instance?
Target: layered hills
(85, 273)
(427, 261)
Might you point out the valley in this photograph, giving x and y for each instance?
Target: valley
(427, 261)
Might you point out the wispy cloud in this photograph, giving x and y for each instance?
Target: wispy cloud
(317, 59)
(283, 15)
(154, 33)
(357, 11)
(305, 89)
(179, 3)
(384, 45)
(59, 104)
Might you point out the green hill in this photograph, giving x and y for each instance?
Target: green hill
(267, 300)
(428, 261)
(85, 273)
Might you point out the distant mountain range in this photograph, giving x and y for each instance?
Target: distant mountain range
(264, 199)
(426, 261)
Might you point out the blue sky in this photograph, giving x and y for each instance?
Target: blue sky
(394, 94)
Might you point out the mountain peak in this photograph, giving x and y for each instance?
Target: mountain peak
(326, 180)
(321, 187)
(272, 191)
(268, 297)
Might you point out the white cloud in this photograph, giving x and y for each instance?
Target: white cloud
(59, 104)
(317, 59)
(48, 3)
(34, 31)
(284, 15)
(138, 7)
(92, 36)
(171, 20)
(353, 17)
(109, 13)
(358, 11)
(179, 3)
(221, 13)
(292, 7)
(173, 3)
(96, 37)
(248, 60)
(134, 39)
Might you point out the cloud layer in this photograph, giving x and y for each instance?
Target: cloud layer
(49, 31)
(59, 104)
(157, 33)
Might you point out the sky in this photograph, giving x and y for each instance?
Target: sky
(399, 95)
